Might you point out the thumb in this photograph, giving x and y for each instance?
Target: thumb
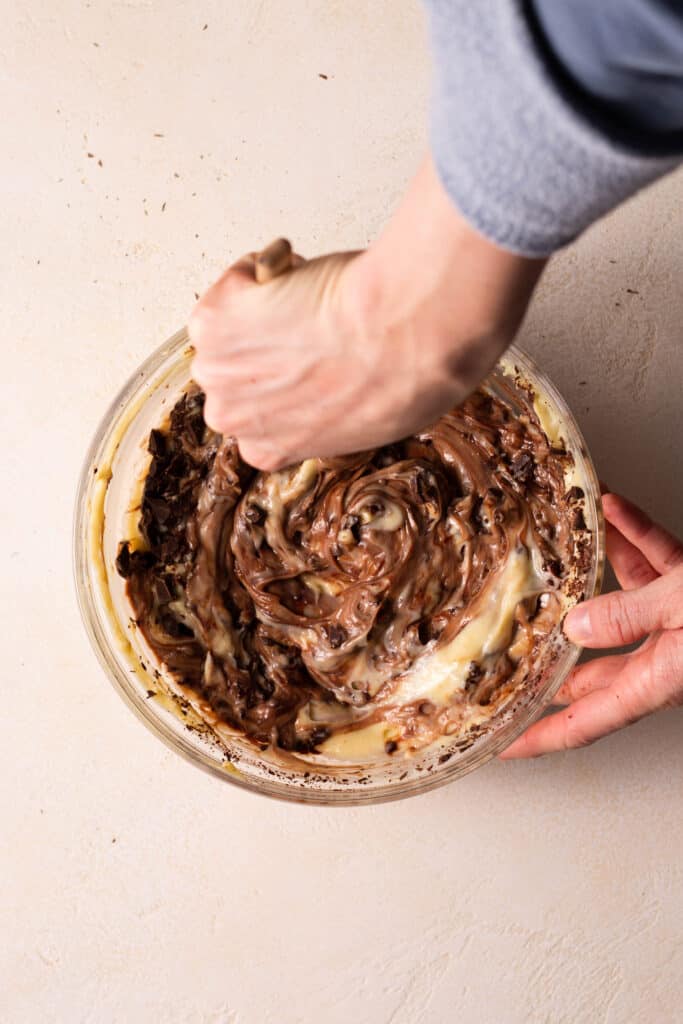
(620, 618)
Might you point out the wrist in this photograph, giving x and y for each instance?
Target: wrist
(432, 276)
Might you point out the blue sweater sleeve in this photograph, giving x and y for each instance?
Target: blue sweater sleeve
(621, 61)
(544, 114)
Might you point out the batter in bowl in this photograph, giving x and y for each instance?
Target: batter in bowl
(369, 605)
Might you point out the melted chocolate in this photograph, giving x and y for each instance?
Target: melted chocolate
(323, 584)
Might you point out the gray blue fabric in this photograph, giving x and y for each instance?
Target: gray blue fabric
(623, 62)
(528, 164)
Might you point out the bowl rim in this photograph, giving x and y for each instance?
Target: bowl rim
(120, 412)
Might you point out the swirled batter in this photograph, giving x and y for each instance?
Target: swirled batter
(360, 606)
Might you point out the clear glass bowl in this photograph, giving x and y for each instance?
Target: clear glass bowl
(107, 511)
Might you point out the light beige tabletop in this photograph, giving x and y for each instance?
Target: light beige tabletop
(144, 145)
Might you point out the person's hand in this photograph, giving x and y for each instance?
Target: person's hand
(614, 691)
(354, 350)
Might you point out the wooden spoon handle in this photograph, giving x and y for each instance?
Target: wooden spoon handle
(272, 261)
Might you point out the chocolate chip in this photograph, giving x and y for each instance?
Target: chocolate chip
(426, 485)
(521, 466)
(390, 746)
(319, 735)
(159, 508)
(123, 567)
(129, 562)
(162, 592)
(474, 514)
(424, 633)
(574, 494)
(307, 745)
(255, 514)
(265, 687)
(388, 455)
(195, 427)
(478, 520)
(179, 466)
(352, 523)
(336, 635)
(554, 566)
(157, 443)
(578, 520)
(474, 674)
(174, 627)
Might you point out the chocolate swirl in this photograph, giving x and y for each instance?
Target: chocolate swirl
(321, 586)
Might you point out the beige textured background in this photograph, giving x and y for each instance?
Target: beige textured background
(135, 889)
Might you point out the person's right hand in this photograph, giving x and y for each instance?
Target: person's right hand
(612, 692)
(353, 350)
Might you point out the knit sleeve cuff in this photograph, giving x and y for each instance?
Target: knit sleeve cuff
(524, 167)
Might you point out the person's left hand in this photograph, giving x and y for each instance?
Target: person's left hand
(612, 692)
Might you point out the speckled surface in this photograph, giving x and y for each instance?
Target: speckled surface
(134, 888)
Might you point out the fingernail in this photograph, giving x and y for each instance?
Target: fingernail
(577, 625)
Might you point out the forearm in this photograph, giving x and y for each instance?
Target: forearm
(432, 276)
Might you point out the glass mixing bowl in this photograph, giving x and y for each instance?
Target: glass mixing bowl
(107, 510)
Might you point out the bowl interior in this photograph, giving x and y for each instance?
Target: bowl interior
(106, 512)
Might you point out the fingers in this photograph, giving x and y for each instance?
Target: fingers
(593, 675)
(216, 415)
(586, 720)
(236, 278)
(664, 652)
(662, 550)
(631, 567)
(614, 620)
(262, 456)
(208, 318)
(610, 693)
(641, 687)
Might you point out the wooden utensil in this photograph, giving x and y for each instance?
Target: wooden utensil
(272, 261)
